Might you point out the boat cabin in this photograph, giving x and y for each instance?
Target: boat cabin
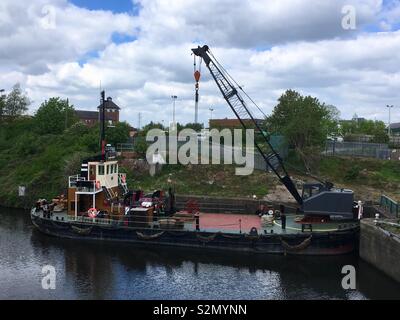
(98, 187)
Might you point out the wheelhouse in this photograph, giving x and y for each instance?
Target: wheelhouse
(99, 186)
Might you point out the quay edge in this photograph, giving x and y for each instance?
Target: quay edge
(380, 248)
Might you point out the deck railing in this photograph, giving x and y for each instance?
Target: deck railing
(82, 184)
(390, 206)
(72, 180)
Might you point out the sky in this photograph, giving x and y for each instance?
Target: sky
(139, 52)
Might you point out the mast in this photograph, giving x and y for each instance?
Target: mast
(102, 125)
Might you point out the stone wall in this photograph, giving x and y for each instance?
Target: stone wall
(380, 249)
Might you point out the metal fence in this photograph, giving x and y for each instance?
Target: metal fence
(358, 149)
(390, 206)
(277, 142)
(125, 147)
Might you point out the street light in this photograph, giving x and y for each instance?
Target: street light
(173, 113)
(390, 107)
(211, 110)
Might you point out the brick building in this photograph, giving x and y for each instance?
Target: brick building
(232, 123)
(90, 118)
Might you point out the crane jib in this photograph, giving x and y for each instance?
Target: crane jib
(240, 109)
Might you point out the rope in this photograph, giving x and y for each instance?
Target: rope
(303, 245)
(149, 237)
(206, 239)
(82, 231)
(224, 235)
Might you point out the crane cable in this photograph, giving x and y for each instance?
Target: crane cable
(195, 64)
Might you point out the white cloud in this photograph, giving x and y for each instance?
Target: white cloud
(268, 46)
(34, 34)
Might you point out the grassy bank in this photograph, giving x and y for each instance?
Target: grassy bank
(211, 180)
(369, 178)
(42, 163)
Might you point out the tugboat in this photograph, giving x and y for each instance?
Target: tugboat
(99, 206)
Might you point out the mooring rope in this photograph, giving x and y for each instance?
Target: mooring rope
(303, 245)
(149, 237)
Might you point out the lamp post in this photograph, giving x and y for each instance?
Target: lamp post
(173, 112)
(211, 111)
(390, 107)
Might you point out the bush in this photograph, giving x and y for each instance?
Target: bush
(352, 173)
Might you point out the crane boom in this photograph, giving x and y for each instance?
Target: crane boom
(235, 101)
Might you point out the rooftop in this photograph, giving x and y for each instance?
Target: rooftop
(395, 125)
(83, 114)
(109, 104)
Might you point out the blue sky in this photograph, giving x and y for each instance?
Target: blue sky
(117, 6)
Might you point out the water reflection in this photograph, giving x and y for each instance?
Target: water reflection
(94, 270)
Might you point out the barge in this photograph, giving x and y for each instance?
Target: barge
(100, 207)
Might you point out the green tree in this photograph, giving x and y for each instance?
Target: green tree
(150, 126)
(195, 126)
(2, 104)
(16, 102)
(304, 121)
(352, 129)
(54, 116)
(118, 134)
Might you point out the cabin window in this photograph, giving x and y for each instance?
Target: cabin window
(112, 169)
(116, 168)
(101, 170)
(108, 169)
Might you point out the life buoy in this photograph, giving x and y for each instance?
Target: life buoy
(92, 212)
(98, 185)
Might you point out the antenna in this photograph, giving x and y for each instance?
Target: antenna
(102, 124)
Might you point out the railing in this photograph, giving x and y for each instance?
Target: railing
(72, 180)
(83, 185)
(125, 147)
(357, 149)
(144, 225)
(390, 206)
(100, 221)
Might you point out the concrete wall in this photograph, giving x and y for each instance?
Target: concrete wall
(380, 249)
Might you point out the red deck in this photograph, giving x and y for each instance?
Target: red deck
(229, 221)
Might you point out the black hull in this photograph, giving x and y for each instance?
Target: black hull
(321, 243)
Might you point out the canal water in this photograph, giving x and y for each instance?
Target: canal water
(115, 271)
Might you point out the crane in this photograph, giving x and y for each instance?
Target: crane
(319, 199)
